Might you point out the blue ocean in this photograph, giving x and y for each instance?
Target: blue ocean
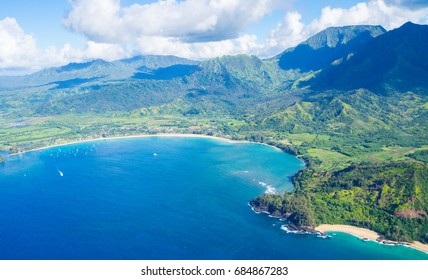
(157, 198)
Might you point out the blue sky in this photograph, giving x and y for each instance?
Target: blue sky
(38, 34)
(43, 18)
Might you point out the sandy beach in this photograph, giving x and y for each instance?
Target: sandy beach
(367, 234)
(356, 231)
(324, 228)
(418, 246)
(138, 136)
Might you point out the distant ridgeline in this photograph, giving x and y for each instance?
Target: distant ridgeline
(351, 101)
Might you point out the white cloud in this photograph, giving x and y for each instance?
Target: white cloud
(290, 32)
(202, 29)
(16, 47)
(94, 50)
(19, 51)
(188, 20)
(198, 50)
(197, 29)
(375, 12)
(96, 19)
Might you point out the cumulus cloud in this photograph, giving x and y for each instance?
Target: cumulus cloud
(17, 48)
(197, 29)
(96, 19)
(94, 50)
(19, 51)
(197, 50)
(374, 12)
(188, 20)
(202, 29)
(290, 32)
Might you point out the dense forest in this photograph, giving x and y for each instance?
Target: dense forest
(363, 139)
(389, 198)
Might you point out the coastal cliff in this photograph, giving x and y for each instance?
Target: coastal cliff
(390, 199)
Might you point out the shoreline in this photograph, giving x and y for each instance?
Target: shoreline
(358, 232)
(362, 233)
(185, 135)
(371, 235)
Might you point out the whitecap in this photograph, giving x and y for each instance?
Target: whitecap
(270, 189)
(288, 230)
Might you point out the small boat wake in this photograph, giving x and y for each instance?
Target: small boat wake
(60, 172)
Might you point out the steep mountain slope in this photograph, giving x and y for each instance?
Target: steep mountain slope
(390, 199)
(327, 46)
(360, 109)
(249, 73)
(396, 60)
(344, 125)
(234, 82)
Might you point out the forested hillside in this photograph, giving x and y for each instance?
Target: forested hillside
(350, 101)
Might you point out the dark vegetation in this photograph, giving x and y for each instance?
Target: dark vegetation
(327, 46)
(396, 59)
(389, 198)
(357, 116)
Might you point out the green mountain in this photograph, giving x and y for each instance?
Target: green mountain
(94, 70)
(232, 82)
(388, 198)
(352, 102)
(359, 127)
(395, 61)
(327, 46)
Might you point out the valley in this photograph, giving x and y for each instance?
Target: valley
(360, 128)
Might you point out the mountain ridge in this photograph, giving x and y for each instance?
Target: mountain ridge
(326, 46)
(397, 59)
(114, 70)
(343, 134)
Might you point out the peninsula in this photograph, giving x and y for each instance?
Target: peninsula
(360, 128)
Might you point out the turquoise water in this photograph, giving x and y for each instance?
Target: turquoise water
(157, 198)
